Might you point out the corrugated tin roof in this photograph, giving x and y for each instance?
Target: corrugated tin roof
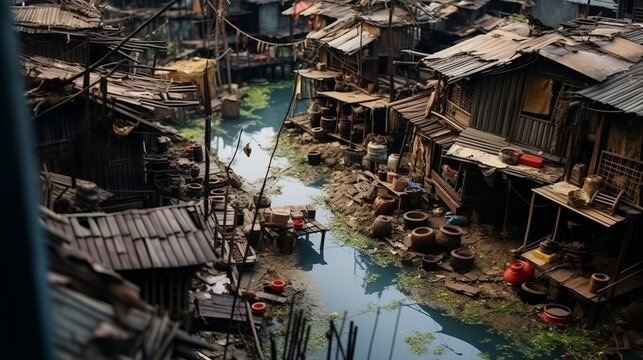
(480, 147)
(606, 4)
(326, 8)
(624, 91)
(413, 109)
(56, 17)
(598, 56)
(166, 237)
(351, 41)
(137, 96)
(86, 328)
(413, 13)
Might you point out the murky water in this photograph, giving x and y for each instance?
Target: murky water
(340, 274)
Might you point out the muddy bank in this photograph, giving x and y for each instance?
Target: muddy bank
(495, 304)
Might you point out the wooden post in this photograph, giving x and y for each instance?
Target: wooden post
(391, 82)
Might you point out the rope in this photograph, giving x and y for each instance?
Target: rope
(239, 30)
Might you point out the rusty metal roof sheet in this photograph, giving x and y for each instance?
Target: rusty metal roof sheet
(137, 96)
(82, 324)
(597, 56)
(351, 41)
(623, 91)
(476, 146)
(413, 13)
(331, 9)
(413, 109)
(166, 237)
(68, 15)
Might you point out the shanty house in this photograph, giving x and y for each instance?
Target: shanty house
(103, 135)
(511, 88)
(158, 249)
(98, 314)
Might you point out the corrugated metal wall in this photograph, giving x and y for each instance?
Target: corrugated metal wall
(497, 102)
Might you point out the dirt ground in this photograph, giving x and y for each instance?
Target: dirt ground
(496, 304)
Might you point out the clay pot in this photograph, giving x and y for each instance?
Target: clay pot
(314, 157)
(533, 293)
(344, 128)
(598, 281)
(197, 153)
(449, 237)
(381, 175)
(390, 176)
(315, 119)
(318, 133)
(423, 239)
(384, 205)
(328, 123)
(509, 155)
(194, 171)
(382, 226)
(277, 286)
(194, 189)
(430, 262)
(218, 202)
(400, 183)
(415, 219)
(259, 308)
(518, 272)
(412, 197)
(592, 184)
(462, 259)
(556, 314)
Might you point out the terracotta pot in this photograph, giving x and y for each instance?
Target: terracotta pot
(518, 272)
(277, 286)
(598, 281)
(382, 226)
(533, 293)
(259, 308)
(423, 239)
(390, 176)
(384, 205)
(400, 183)
(449, 237)
(430, 262)
(314, 157)
(462, 259)
(194, 189)
(556, 314)
(415, 219)
(315, 119)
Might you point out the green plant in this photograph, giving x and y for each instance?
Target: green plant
(409, 280)
(419, 341)
(575, 343)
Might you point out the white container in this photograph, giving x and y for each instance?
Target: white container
(392, 162)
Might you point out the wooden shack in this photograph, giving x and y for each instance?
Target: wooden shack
(103, 135)
(511, 89)
(158, 249)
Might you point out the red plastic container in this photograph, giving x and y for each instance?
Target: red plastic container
(277, 286)
(297, 224)
(531, 160)
(259, 308)
(518, 272)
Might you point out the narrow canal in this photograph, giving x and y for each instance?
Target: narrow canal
(344, 277)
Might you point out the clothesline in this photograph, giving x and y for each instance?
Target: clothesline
(219, 15)
(286, 44)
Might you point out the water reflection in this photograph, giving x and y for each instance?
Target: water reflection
(346, 279)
